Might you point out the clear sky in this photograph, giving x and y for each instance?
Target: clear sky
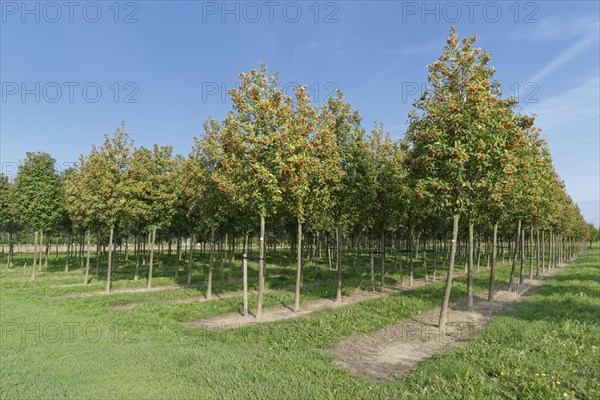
(71, 71)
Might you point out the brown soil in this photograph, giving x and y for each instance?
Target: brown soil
(395, 350)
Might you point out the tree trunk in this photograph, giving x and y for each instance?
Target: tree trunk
(211, 260)
(493, 262)
(446, 300)
(543, 246)
(261, 267)
(151, 263)
(245, 275)
(338, 294)
(372, 264)
(470, 306)
(382, 250)
(298, 267)
(245, 281)
(87, 259)
(191, 260)
(138, 256)
(40, 246)
(410, 253)
(98, 255)
(11, 248)
(522, 258)
(35, 243)
(434, 256)
(67, 256)
(531, 252)
(178, 256)
(514, 262)
(108, 271)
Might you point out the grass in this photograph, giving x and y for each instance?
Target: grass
(84, 348)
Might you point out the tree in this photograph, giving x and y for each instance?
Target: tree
(102, 185)
(9, 219)
(148, 192)
(351, 187)
(251, 140)
(38, 196)
(449, 136)
(204, 165)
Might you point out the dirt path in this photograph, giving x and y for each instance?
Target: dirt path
(283, 312)
(395, 350)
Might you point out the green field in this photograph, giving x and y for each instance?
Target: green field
(548, 347)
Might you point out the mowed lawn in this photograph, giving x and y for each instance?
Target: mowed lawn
(546, 348)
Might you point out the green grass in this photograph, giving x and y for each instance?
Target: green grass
(84, 348)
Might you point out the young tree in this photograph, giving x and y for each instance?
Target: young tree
(38, 195)
(204, 164)
(102, 185)
(9, 219)
(148, 192)
(251, 141)
(352, 186)
(446, 138)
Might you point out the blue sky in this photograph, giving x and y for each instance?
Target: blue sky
(70, 73)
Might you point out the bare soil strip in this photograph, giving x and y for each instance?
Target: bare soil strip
(283, 312)
(395, 350)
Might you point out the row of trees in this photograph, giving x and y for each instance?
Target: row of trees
(279, 162)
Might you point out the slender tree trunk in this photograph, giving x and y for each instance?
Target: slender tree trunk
(178, 256)
(514, 262)
(211, 260)
(223, 255)
(138, 257)
(87, 259)
(261, 268)
(110, 246)
(245, 282)
(231, 259)
(298, 267)
(11, 247)
(67, 256)
(382, 251)
(531, 252)
(245, 275)
(35, 250)
(478, 253)
(543, 248)
(191, 260)
(410, 261)
(338, 295)
(470, 306)
(47, 254)
(493, 262)
(40, 247)
(372, 264)
(434, 257)
(522, 257)
(98, 255)
(151, 263)
(446, 301)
